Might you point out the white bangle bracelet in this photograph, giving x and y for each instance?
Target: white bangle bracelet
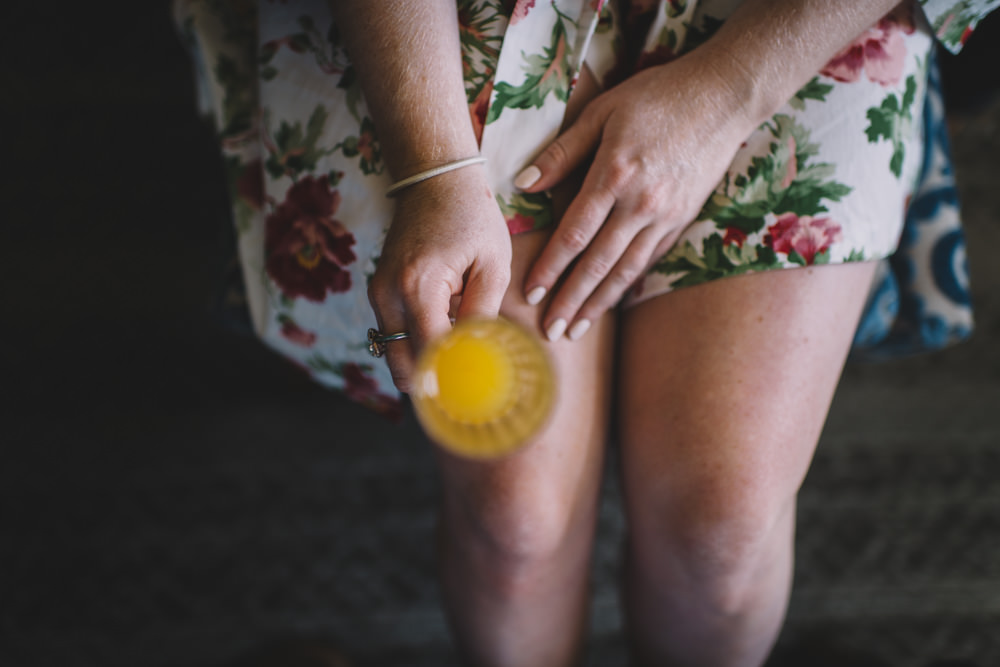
(431, 173)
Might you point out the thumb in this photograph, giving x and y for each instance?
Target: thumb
(562, 156)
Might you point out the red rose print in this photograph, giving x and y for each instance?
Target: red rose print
(363, 389)
(879, 51)
(807, 236)
(307, 249)
(734, 236)
(296, 334)
(520, 223)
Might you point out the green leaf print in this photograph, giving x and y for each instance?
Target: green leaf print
(526, 211)
(548, 72)
(237, 101)
(717, 260)
(952, 27)
(294, 150)
(892, 121)
(480, 32)
(676, 8)
(814, 90)
(784, 180)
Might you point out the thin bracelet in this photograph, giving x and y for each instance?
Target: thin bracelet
(431, 173)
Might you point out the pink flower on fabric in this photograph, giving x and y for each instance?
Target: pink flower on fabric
(521, 10)
(880, 51)
(296, 334)
(520, 223)
(806, 235)
(307, 249)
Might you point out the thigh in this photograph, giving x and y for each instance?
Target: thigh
(724, 389)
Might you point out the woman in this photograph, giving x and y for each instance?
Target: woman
(706, 145)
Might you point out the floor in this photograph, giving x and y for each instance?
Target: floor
(173, 494)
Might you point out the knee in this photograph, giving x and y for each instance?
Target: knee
(719, 540)
(515, 535)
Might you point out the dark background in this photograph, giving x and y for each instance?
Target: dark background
(173, 494)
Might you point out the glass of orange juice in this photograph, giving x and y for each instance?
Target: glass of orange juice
(483, 389)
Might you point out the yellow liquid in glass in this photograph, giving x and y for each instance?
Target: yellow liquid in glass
(475, 378)
(483, 389)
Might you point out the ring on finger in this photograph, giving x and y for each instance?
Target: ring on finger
(377, 341)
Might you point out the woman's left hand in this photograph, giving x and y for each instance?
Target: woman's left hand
(661, 142)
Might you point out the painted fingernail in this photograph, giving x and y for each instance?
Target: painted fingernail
(556, 329)
(578, 329)
(535, 296)
(528, 177)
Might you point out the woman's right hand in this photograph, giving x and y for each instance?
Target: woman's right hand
(448, 239)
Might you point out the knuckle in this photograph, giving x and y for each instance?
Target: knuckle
(649, 203)
(412, 280)
(557, 151)
(596, 267)
(618, 173)
(574, 238)
(625, 274)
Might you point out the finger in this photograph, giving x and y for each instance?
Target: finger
(582, 221)
(632, 266)
(562, 156)
(412, 309)
(594, 266)
(399, 354)
(483, 293)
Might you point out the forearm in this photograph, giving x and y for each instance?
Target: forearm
(768, 49)
(408, 59)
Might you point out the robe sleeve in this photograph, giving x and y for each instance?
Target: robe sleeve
(952, 21)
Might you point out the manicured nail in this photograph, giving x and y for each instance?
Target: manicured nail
(528, 177)
(535, 296)
(556, 329)
(578, 329)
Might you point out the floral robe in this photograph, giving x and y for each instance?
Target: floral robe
(827, 179)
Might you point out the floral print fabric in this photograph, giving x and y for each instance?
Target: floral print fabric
(827, 179)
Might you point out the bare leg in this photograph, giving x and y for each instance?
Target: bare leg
(724, 391)
(516, 534)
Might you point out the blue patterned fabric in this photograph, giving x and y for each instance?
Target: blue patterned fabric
(920, 298)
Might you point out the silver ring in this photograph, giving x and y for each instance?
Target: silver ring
(377, 341)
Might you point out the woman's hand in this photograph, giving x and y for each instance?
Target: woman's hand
(448, 239)
(661, 141)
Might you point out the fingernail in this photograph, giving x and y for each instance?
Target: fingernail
(535, 296)
(528, 177)
(578, 329)
(556, 329)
